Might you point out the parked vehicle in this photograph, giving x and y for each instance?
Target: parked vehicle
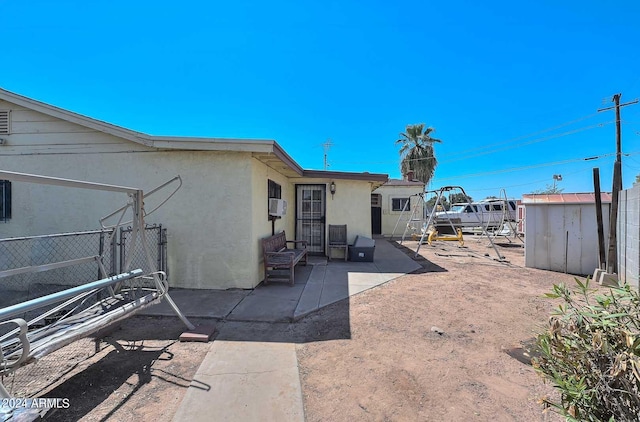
(489, 213)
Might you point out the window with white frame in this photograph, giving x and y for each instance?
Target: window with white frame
(399, 204)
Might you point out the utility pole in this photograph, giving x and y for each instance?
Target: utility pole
(326, 147)
(612, 256)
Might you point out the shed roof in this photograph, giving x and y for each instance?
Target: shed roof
(267, 151)
(565, 198)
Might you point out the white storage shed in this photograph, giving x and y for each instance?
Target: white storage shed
(561, 232)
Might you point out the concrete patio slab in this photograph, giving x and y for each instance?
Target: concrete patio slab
(302, 273)
(310, 299)
(259, 381)
(245, 381)
(343, 279)
(264, 308)
(279, 290)
(199, 303)
(318, 284)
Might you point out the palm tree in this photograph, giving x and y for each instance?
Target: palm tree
(416, 152)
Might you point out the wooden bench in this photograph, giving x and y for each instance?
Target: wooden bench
(278, 258)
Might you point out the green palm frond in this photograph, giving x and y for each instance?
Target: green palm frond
(416, 151)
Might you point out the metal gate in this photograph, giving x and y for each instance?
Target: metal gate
(310, 216)
(156, 238)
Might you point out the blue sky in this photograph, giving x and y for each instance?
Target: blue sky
(511, 88)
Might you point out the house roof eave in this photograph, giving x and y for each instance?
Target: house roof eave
(76, 118)
(263, 149)
(376, 179)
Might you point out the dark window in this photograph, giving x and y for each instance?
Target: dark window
(5, 200)
(399, 204)
(274, 191)
(496, 207)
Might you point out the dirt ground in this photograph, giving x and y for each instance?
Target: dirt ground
(138, 372)
(427, 346)
(433, 346)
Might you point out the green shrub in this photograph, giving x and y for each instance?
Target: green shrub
(591, 353)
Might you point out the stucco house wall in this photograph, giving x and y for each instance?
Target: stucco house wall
(214, 222)
(350, 205)
(209, 223)
(399, 189)
(261, 224)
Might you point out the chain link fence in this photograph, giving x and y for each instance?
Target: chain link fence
(42, 250)
(156, 238)
(31, 251)
(16, 253)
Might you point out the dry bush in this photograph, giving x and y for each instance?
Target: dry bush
(591, 353)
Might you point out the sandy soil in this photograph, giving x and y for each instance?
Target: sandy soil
(428, 346)
(138, 372)
(395, 367)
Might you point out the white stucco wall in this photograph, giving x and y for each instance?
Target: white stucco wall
(389, 217)
(261, 226)
(210, 238)
(208, 220)
(214, 222)
(351, 205)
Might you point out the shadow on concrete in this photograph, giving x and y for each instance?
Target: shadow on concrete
(316, 308)
(426, 265)
(329, 323)
(319, 284)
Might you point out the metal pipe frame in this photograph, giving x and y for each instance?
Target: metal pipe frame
(30, 305)
(438, 200)
(46, 236)
(58, 181)
(137, 205)
(47, 267)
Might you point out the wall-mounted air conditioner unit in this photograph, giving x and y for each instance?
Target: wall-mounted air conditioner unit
(277, 207)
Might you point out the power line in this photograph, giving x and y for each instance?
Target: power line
(536, 182)
(529, 135)
(533, 141)
(572, 132)
(509, 170)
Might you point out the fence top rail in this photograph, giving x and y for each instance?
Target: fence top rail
(58, 181)
(49, 266)
(46, 236)
(39, 302)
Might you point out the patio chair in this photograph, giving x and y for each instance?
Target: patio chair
(338, 239)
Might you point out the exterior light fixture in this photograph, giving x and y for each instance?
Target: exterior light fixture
(332, 189)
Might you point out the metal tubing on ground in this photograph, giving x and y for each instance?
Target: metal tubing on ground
(39, 302)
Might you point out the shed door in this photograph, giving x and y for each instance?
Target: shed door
(310, 216)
